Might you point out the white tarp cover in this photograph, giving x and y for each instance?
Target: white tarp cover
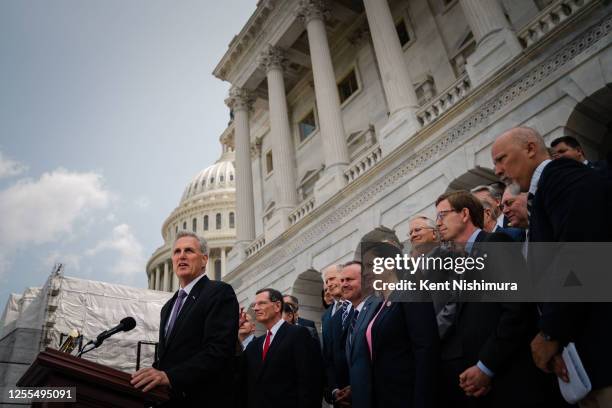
(66, 303)
(92, 307)
(10, 314)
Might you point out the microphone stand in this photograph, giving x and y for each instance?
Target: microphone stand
(87, 350)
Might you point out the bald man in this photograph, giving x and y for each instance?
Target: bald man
(567, 203)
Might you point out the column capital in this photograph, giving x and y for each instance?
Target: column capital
(256, 148)
(273, 58)
(309, 10)
(240, 99)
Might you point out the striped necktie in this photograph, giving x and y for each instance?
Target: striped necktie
(345, 311)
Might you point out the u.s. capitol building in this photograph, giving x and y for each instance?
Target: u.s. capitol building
(351, 114)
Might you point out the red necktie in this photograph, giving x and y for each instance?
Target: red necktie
(266, 345)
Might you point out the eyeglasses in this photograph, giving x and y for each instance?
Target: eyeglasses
(440, 215)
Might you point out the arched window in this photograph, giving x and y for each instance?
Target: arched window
(194, 225)
(218, 221)
(184, 225)
(231, 176)
(221, 178)
(231, 220)
(206, 223)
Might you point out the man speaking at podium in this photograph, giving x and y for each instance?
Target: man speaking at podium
(197, 335)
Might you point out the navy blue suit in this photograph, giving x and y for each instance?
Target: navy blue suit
(358, 356)
(405, 353)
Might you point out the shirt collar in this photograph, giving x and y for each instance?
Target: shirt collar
(246, 341)
(535, 177)
(500, 221)
(191, 284)
(470, 242)
(277, 326)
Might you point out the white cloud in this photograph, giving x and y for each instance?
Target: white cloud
(71, 262)
(40, 211)
(131, 259)
(142, 203)
(9, 167)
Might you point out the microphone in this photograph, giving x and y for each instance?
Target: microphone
(126, 324)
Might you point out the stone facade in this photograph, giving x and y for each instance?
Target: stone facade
(418, 113)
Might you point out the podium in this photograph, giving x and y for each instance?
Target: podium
(96, 385)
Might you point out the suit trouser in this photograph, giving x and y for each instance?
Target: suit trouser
(601, 398)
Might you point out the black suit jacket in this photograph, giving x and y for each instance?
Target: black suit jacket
(197, 356)
(405, 352)
(291, 374)
(571, 204)
(498, 335)
(336, 367)
(312, 328)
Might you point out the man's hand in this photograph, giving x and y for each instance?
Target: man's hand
(149, 378)
(474, 382)
(343, 397)
(543, 351)
(557, 366)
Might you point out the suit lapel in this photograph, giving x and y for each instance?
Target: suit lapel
(165, 315)
(364, 318)
(187, 306)
(276, 341)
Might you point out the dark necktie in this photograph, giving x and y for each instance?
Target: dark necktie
(266, 345)
(176, 309)
(352, 326)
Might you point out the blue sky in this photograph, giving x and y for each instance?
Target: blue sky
(107, 110)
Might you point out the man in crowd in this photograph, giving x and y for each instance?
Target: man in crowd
(282, 368)
(486, 349)
(514, 207)
(494, 221)
(197, 336)
(563, 194)
(423, 234)
(246, 331)
(570, 148)
(295, 304)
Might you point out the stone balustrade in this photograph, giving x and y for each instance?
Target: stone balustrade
(256, 245)
(362, 164)
(550, 18)
(302, 210)
(444, 101)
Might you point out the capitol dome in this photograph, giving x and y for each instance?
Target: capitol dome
(215, 178)
(207, 207)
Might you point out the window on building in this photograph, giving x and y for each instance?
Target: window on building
(184, 225)
(221, 178)
(212, 180)
(194, 225)
(269, 162)
(402, 32)
(218, 269)
(206, 223)
(307, 125)
(231, 176)
(218, 221)
(175, 230)
(348, 86)
(231, 220)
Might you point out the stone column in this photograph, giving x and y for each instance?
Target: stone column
(157, 278)
(312, 13)
(167, 277)
(283, 154)
(240, 101)
(150, 279)
(223, 260)
(399, 89)
(175, 282)
(496, 43)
